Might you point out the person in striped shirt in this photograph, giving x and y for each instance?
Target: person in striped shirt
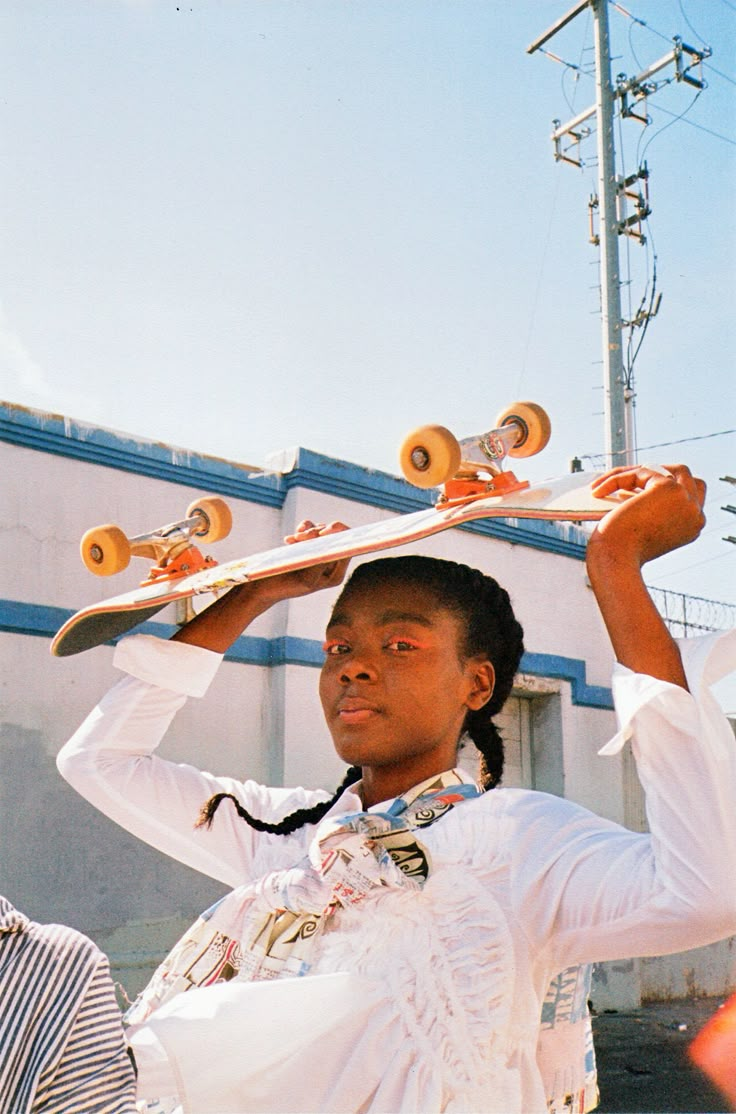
(61, 1035)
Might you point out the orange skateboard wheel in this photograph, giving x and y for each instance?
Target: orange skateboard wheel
(105, 550)
(429, 456)
(534, 425)
(217, 519)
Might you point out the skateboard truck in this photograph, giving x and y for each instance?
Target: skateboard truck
(431, 456)
(473, 467)
(106, 550)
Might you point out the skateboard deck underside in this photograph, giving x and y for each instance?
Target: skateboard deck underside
(568, 499)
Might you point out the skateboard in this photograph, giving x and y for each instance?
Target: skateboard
(473, 485)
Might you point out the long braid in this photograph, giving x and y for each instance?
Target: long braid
(291, 822)
(490, 630)
(494, 631)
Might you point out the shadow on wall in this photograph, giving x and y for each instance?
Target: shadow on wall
(62, 861)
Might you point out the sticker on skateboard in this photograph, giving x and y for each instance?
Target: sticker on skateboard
(473, 486)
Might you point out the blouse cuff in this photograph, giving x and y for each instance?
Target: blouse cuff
(176, 666)
(705, 660)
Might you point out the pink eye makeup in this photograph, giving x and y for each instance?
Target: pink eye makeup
(333, 647)
(403, 644)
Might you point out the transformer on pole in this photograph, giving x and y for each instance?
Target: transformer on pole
(612, 202)
(618, 429)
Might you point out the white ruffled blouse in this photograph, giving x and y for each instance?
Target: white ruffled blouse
(422, 1001)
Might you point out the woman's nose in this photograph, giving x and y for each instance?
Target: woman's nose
(357, 669)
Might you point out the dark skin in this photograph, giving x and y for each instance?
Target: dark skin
(369, 662)
(662, 514)
(395, 688)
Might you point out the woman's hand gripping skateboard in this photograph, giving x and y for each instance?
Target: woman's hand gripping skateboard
(661, 510)
(217, 627)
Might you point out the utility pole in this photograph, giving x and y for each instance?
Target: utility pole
(611, 202)
(619, 429)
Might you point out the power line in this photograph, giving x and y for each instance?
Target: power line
(642, 22)
(692, 124)
(667, 444)
(668, 39)
(696, 565)
(612, 203)
(713, 69)
(685, 440)
(675, 117)
(687, 21)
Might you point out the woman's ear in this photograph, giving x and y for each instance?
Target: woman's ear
(482, 677)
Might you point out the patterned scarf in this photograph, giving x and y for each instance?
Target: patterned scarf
(267, 930)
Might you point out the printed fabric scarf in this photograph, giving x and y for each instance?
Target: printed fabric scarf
(267, 930)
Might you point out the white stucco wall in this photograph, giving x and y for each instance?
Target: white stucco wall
(62, 861)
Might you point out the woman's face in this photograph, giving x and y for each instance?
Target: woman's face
(394, 688)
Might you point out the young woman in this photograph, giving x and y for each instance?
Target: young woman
(427, 914)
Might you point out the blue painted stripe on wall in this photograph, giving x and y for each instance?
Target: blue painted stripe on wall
(51, 433)
(572, 670)
(34, 619)
(313, 471)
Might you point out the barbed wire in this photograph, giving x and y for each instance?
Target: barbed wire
(684, 614)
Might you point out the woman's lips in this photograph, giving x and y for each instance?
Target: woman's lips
(355, 711)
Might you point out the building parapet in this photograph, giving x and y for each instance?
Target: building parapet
(298, 467)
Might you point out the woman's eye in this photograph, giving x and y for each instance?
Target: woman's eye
(333, 647)
(402, 644)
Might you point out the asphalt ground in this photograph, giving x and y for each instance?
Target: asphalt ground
(643, 1065)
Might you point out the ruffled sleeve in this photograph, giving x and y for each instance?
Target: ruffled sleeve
(111, 761)
(590, 890)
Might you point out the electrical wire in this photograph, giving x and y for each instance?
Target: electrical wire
(635, 20)
(725, 76)
(630, 36)
(675, 118)
(663, 444)
(697, 564)
(642, 23)
(647, 315)
(577, 70)
(649, 296)
(692, 124)
(641, 316)
(687, 21)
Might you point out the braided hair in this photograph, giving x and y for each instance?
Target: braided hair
(489, 630)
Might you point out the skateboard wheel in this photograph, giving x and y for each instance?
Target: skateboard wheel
(534, 427)
(105, 550)
(429, 456)
(217, 519)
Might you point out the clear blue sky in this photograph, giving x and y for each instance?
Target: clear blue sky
(240, 226)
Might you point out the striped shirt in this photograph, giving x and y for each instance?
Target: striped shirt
(62, 1049)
